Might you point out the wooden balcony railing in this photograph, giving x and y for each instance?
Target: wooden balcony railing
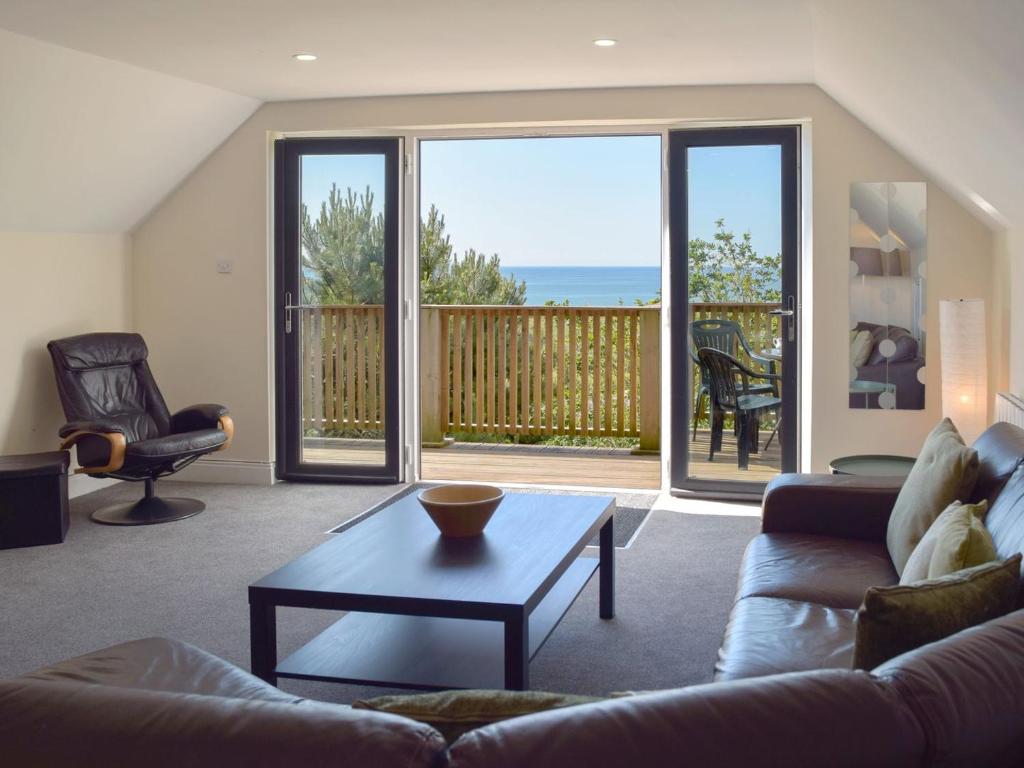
(505, 370)
(541, 371)
(342, 367)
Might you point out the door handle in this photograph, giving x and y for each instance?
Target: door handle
(790, 312)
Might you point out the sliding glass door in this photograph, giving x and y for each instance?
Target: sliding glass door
(337, 318)
(734, 228)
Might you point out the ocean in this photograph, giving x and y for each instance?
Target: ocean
(588, 286)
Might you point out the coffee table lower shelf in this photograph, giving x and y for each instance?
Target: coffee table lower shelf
(425, 652)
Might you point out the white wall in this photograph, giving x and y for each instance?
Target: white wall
(1010, 253)
(54, 285)
(222, 210)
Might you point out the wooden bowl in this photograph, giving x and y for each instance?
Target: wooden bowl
(460, 511)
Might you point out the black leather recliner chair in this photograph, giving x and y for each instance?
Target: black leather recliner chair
(120, 424)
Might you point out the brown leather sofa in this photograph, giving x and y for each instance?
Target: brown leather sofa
(159, 702)
(823, 544)
(957, 702)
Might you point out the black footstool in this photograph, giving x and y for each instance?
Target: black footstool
(33, 499)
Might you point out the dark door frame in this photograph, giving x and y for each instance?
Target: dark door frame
(788, 138)
(287, 261)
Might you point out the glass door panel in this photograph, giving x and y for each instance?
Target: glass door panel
(338, 288)
(735, 267)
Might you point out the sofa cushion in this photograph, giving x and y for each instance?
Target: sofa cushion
(454, 713)
(828, 570)
(836, 718)
(161, 664)
(878, 333)
(860, 348)
(956, 540)
(174, 446)
(966, 693)
(768, 635)
(904, 347)
(944, 472)
(894, 620)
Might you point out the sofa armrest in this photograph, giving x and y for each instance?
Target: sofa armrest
(846, 506)
(74, 724)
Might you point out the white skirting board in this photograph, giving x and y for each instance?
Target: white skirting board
(202, 471)
(211, 470)
(79, 485)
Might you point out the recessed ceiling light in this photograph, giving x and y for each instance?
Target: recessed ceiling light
(304, 56)
(605, 42)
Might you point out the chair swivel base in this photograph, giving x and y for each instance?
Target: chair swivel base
(149, 510)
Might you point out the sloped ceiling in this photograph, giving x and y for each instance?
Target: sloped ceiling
(92, 145)
(99, 139)
(940, 80)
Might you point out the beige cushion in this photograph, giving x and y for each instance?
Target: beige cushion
(454, 713)
(897, 619)
(860, 348)
(944, 472)
(956, 540)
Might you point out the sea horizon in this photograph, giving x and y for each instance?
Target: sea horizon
(593, 285)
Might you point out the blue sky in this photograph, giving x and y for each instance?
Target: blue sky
(743, 185)
(547, 202)
(355, 171)
(571, 201)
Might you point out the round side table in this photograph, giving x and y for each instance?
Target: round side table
(868, 388)
(874, 465)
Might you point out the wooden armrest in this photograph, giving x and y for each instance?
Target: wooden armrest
(118, 446)
(228, 427)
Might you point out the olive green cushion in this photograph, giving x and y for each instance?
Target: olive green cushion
(957, 539)
(944, 472)
(454, 713)
(897, 619)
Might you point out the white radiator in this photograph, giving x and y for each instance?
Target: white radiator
(1010, 408)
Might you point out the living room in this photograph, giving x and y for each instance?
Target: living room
(152, 191)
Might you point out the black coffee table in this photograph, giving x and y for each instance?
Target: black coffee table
(430, 613)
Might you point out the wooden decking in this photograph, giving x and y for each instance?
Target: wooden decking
(543, 466)
(602, 468)
(763, 466)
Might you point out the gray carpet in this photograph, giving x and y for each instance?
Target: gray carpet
(188, 580)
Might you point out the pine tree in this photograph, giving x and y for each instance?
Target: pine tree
(730, 270)
(343, 259)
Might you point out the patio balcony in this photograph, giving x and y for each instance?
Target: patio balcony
(517, 394)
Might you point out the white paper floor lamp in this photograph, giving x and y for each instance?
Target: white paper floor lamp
(964, 365)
